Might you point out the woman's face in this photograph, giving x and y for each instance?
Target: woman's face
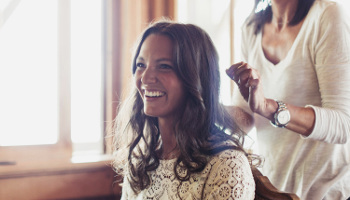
(160, 88)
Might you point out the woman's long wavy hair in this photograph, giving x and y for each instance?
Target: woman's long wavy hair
(258, 19)
(204, 124)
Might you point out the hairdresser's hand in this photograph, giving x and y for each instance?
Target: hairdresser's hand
(249, 84)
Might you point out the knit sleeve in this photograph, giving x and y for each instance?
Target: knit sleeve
(332, 63)
(230, 177)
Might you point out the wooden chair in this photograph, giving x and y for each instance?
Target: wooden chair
(266, 191)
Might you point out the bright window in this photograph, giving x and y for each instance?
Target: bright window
(28, 73)
(37, 39)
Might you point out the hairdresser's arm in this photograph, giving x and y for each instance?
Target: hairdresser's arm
(249, 83)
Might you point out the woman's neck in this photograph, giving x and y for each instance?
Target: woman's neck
(283, 12)
(169, 145)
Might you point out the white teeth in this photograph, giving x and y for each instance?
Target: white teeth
(154, 93)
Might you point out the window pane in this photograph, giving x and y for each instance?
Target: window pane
(86, 70)
(28, 72)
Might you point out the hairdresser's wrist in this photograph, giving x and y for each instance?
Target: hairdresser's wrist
(269, 109)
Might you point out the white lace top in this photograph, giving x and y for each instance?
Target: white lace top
(226, 176)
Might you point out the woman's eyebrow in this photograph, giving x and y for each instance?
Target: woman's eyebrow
(140, 58)
(164, 59)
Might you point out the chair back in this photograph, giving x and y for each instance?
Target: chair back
(266, 191)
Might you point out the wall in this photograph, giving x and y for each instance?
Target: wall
(66, 181)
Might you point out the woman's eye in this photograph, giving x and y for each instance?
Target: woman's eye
(140, 65)
(165, 66)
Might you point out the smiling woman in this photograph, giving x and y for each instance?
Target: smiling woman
(173, 137)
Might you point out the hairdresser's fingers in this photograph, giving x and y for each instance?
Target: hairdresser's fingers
(256, 98)
(242, 83)
(240, 73)
(234, 66)
(251, 78)
(242, 69)
(244, 74)
(231, 70)
(253, 85)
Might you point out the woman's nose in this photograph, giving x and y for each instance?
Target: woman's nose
(149, 76)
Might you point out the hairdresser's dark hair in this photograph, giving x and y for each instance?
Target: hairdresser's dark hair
(204, 125)
(264, 16)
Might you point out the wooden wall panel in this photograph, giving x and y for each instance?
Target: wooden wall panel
(81, 183)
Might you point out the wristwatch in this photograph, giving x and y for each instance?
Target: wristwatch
(282, 116)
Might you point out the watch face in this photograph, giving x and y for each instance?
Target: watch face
(283, 117)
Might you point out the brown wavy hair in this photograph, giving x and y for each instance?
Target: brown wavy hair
(203, 125)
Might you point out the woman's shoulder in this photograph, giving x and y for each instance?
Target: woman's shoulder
(326, 9)
(228, 156)
(226, 171)
(328, 18)
(323, 4)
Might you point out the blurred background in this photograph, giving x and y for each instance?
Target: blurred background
(65, 65)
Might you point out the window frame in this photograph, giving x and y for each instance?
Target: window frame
(63, 149)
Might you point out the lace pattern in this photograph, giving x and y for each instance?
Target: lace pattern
(226, 176)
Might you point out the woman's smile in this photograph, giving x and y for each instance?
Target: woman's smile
(153, 94)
